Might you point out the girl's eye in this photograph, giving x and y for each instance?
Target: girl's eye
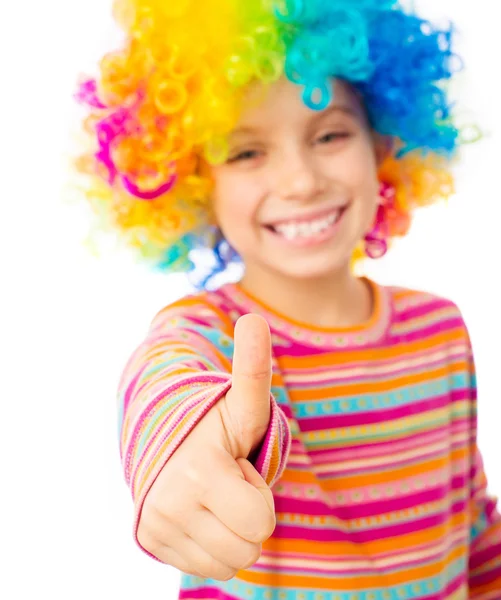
(326, 139)
(246, 155)
(333, 136)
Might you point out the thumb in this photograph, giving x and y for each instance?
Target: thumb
(248, 400)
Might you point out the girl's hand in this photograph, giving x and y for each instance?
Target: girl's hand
(209, 510)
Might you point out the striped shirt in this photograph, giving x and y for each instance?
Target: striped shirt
(371, 452)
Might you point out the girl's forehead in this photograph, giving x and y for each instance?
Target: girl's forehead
(282, 100)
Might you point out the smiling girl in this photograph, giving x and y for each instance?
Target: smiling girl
(301, 433)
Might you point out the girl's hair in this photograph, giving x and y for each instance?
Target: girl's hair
(161, 107)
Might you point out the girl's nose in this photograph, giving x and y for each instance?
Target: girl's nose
(297, 177)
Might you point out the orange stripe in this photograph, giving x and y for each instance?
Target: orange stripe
(347, 583)
(366, 387)
(340, 357)
(374, 548)
(374, 478)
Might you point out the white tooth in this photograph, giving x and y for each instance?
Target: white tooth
(293, 230)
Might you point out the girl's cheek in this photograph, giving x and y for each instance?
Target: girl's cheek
(363, 171)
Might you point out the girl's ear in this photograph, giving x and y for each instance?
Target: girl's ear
(384, 146)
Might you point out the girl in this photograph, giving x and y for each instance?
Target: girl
(302, 433)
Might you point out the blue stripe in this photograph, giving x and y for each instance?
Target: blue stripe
(411, 591)
(381, 401)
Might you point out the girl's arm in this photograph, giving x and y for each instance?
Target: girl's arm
(174, 377)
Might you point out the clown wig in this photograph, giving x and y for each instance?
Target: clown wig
(161, 107)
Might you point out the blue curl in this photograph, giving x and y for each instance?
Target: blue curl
(397, 61)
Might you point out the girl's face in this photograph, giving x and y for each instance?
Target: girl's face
(299, 189)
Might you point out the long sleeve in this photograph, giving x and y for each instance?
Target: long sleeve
(485, 534)
(179, 372)
(485, 545)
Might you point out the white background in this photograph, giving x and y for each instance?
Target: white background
(69, 321)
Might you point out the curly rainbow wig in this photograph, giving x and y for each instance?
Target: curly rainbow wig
(161, 108)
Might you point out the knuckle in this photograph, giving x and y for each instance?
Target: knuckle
(206, 566)
(177, 516)
(267, 527)
(195, 481)
(213, 569)
(192, 572)
(259, 375)
(252, 557)
(171, 511)
(230, 573)
(264, 525)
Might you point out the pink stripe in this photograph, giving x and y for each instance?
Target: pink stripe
(277, 429)
(422, 334)
(411, 442)
(206, 592)
(384, 447)
(363, 510)
(391, 414)
(424, 310)
(291, 532)
(384, 465)
(351, 568)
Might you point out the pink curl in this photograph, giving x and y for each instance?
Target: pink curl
(376, 242)
(133, 189)
(87, 94)
(108, 129)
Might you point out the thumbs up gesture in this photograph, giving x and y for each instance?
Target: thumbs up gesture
(246, 410)
(209, 510)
